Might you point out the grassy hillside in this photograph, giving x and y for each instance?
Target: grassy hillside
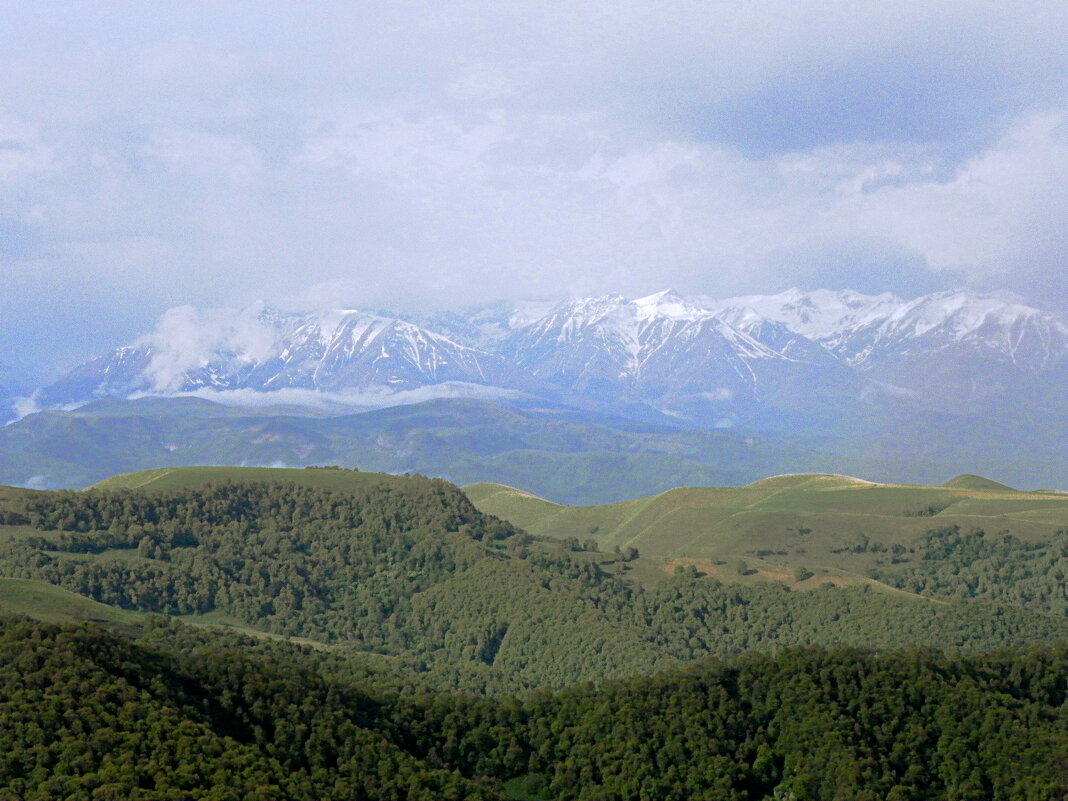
(968, 481)
(175, 478)
(52, 604)
(834, 527)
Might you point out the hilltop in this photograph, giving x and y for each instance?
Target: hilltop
(176, 478)
(968, 481)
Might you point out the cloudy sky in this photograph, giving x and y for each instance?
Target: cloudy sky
(417, 155)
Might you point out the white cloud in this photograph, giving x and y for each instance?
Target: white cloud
(25, 406)
(374, 398)
(398, 149)
(187, 339)
(987, 216)
(206, 156)
(605, 213)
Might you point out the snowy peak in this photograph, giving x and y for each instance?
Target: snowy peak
(352, 349)
(820, 315)
(657, 346)
(863, 329)
(964, 322)
(669, 304)
(264, 350)
(964, 314)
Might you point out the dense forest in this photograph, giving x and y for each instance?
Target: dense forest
(407, 567)
(184, 713)
(1000, 567)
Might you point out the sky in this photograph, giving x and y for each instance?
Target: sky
(425, 155)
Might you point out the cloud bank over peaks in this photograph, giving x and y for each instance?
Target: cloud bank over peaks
(416, 157)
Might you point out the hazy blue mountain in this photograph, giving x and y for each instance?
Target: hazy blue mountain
(565, 454)
(794, 361)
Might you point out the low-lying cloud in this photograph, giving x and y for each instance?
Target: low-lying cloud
(186, 339)
(375, 398)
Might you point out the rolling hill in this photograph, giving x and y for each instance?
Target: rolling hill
(179, 713)
(825, 527)
(711, 521)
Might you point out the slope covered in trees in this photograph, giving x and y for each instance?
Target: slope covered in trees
(975, 564)
(187, 714)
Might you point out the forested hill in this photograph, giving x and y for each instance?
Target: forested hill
(407, 568)
(182, 713)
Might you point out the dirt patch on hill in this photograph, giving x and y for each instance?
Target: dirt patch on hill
(725, 571)
(728, 572)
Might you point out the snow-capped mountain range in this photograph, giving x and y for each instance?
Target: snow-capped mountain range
(756, 360)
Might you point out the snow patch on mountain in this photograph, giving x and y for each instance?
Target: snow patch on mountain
(820, 315)
(669, 304)
(862, 329)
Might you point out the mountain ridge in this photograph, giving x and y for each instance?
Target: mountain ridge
(752, 360)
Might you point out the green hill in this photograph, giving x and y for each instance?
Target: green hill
(968, 481)
(176, 478)
(830, 527)
(798, 481)
(409, 596)
(820, 512)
